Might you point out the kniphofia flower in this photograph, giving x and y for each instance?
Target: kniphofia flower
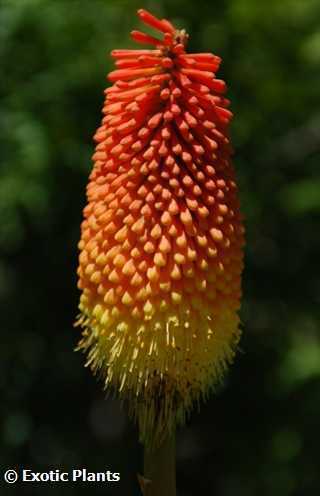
(161, 240)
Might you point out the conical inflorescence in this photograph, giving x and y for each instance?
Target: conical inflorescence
(161, 241)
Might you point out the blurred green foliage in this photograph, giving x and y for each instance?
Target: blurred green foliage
(261, 433)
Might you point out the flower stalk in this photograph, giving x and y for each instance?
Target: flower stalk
(160, 470)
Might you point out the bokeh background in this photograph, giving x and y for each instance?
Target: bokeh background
(260, 433)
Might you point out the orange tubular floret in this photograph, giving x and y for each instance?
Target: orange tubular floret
(164, 25)
(162, 237)
(134, 53)
(140, 37)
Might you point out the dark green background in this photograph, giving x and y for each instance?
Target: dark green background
(260, 434)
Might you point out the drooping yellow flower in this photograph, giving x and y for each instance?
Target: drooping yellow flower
(161, 242)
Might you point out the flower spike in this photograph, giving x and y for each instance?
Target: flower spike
(162, 237)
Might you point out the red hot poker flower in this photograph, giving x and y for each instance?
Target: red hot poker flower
(161, 242)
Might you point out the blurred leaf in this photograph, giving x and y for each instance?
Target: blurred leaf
(301, 197)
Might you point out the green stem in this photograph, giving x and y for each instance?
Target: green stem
(160, 470)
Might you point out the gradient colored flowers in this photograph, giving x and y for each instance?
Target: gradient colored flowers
(161, 245)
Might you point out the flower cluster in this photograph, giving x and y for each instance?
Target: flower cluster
(161, 246)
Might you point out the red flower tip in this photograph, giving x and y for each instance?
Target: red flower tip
(172, 38)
